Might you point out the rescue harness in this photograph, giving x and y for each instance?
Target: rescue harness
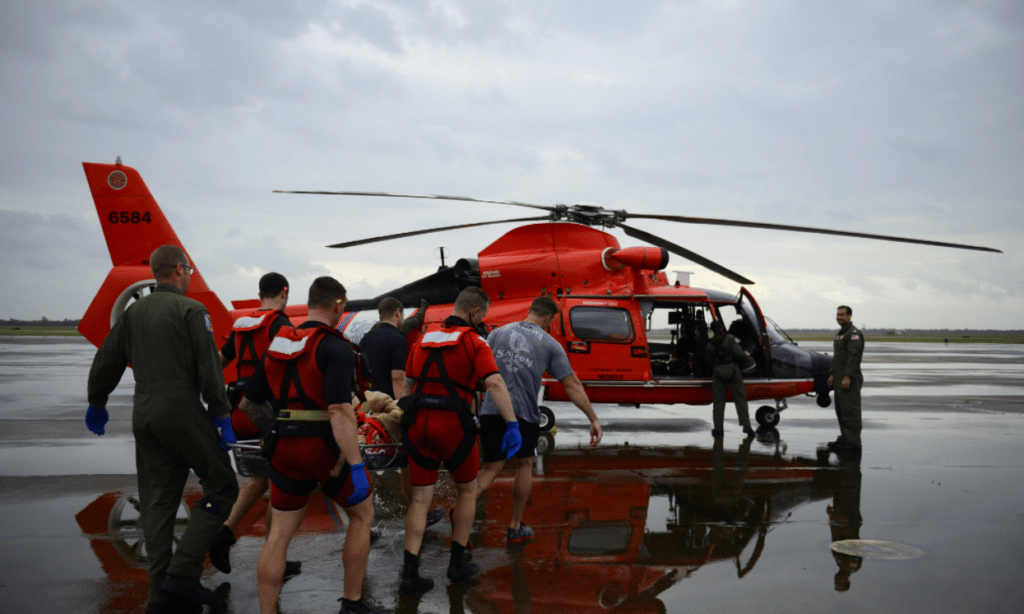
(437, 341)
(299, 413)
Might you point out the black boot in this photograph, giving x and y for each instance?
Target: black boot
(412, 583)
(189, 589)
(458, 568)
(356, 607)
(220, 548)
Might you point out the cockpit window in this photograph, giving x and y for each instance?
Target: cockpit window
(601, 324)
(776, 334)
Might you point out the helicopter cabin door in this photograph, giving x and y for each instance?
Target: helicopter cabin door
(606, 346)
(762, 348)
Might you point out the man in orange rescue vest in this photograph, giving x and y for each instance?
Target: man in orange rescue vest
(307, 373)
(250, 337)
(445, 367)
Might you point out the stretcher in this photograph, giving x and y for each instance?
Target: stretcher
(250, 462)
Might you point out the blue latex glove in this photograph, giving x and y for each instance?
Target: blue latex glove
(360, 484)
(512, 441)
(96, 419)
(227, 432)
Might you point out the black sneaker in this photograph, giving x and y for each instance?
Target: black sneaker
(220, 548)
(292, 569)
(435, 516)
(418, 584)
(462, 572)
(356, 607)
(749, 432)
(188, 588)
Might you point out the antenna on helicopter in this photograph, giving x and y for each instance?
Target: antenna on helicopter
(440, 252)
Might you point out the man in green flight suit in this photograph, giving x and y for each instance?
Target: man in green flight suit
(725, 354)
(168, 340)
(846, 380)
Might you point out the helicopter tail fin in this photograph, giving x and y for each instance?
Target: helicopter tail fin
(134, 226)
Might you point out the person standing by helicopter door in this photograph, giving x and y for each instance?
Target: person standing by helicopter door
(725, 354)
(524, 351)
(848, 347)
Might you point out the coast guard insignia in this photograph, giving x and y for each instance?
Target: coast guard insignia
(117, 180)
(209, 324)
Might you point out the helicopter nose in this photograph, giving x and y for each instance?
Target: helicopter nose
(821, 366)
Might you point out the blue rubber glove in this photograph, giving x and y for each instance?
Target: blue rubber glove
(360, 484)
(512, 441)
(96, 419)
(227, 432)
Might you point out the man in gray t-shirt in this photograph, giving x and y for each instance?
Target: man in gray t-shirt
(524, 352)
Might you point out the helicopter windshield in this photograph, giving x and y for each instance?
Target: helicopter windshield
(776, 334)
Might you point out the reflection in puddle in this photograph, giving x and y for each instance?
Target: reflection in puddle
(597, 543)
(614, 527)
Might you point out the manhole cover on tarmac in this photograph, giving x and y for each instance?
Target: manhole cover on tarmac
(872, 549)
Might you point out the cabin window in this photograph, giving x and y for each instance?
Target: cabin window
(602, 324)
(605, 540)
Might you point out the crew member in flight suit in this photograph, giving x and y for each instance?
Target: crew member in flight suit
(250, 337)
(308, 374)
(725, 354)
(168, 340)
(848, 348)
(446, 365)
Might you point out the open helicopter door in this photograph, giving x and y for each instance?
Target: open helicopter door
(762, 352)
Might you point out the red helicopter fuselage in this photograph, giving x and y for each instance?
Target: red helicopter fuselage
(632, 336)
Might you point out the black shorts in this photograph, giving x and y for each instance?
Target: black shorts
(492, 430)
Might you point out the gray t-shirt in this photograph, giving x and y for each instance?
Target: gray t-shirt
(524, 352)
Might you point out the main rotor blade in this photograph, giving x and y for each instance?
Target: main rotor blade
(824, 231)
(430, 230)
(636, 233)
(431, 196)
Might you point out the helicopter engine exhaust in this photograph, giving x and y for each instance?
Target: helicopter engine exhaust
(640, 258)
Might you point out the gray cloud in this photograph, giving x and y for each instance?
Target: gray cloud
(893, 117)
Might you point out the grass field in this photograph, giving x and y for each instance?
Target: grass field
(1009, 337)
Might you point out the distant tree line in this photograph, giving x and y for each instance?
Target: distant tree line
(911, 331)
(44, 321)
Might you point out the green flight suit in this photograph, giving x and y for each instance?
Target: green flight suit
(168, 340)
(726, 355)
(848, 348)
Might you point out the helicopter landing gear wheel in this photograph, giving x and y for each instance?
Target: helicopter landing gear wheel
(767, 416)
(547, 419)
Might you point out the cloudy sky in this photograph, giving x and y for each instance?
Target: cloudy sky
(889, 116)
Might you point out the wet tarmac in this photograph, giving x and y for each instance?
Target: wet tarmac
(658, 518)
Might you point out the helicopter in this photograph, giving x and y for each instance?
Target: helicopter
(609, 296)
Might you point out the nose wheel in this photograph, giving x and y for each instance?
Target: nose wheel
(547, 419)
(768, 416)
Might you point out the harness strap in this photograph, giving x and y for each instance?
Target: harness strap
(247, 352)
(291, 377)
(335, 483)
(303, 415)
(290, 486)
